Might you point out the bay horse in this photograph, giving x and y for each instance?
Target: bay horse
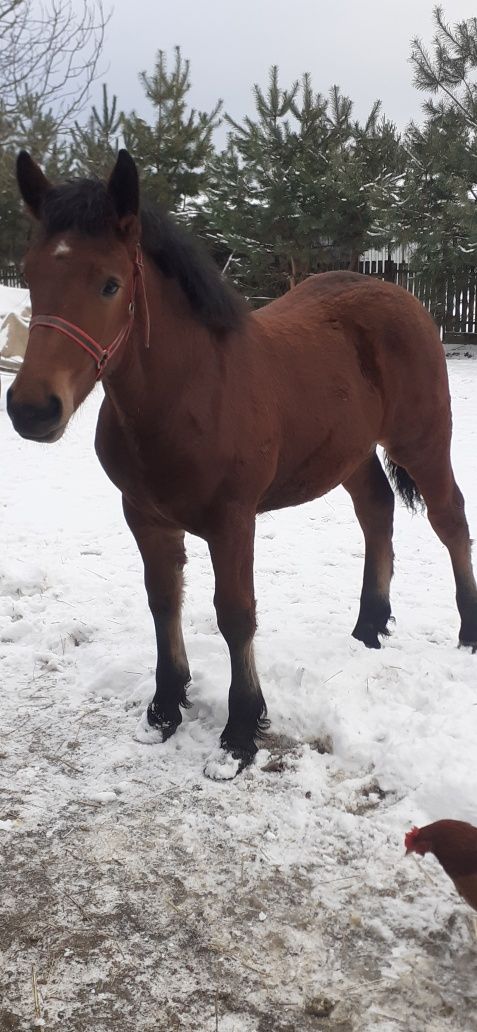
(213, 413)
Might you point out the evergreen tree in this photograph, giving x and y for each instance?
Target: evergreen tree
(449, 71)
(257, 186)
(11, 219)
(95, 145)
(36, 130)
(174, 150)
(364, 176)
(440, 190)
(300, 187)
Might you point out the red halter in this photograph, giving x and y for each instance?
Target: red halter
(102, 354)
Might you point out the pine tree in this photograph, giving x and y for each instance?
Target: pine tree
(364, 176)
(173, 151)
(95, 145)
(13, 234)
(449, 72)
(36, 130)
(300, 187)
(224, 218)
(256, 189)
(440, 192)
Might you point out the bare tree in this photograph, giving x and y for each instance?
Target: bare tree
(49, 51)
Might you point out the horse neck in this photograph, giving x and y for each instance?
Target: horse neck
(150, 375)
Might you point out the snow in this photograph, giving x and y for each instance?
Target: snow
(148, 897)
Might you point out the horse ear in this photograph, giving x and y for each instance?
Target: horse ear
(32, 183)
(123, 186)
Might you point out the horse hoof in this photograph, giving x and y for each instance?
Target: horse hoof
(369, 638)
(472, 645)
(372, 643)
(146, 733)
(223, 765)
(153, 733)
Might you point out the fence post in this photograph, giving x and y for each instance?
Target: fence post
(10, 276)
(390, 270)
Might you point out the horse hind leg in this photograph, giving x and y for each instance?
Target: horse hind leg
(432, 472)
(373, 502)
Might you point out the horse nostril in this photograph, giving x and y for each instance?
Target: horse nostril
(55, 408)
(32, 420)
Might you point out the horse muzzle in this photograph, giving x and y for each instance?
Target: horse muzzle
(37, 422)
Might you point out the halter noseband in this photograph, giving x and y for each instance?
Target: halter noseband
(102, 354)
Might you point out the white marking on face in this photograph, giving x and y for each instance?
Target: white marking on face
(61, 248)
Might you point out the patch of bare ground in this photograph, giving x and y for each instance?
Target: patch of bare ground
(114, 920)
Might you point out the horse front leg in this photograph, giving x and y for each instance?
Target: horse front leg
(231, 550)
(163, 553)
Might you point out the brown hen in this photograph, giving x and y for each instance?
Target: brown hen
(454, 844)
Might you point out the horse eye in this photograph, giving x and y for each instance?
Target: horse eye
(110, 288)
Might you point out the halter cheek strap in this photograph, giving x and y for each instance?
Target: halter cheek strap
(100, 354)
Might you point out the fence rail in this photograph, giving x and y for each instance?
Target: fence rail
(452, 301)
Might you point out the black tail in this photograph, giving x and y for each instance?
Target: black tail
(404, 485)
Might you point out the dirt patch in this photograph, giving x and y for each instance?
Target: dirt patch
(114, 922)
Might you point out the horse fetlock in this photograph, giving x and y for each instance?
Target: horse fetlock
(467, 605)
(239, 742)
(171, 689)
(372, 623)
(240, 738)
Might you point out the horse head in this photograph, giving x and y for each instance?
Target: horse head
(82, 268)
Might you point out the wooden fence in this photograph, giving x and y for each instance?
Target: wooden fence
(10, 276)
(452, 300)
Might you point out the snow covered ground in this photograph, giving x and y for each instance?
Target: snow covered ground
(139, 896)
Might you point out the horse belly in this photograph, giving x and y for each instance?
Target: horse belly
(311, 471)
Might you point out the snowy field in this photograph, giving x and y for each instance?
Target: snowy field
(137, 895)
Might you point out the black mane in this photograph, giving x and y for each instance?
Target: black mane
(85, 205)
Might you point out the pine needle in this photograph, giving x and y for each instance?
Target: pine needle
(36, 995)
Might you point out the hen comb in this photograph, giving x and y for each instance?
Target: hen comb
(410, 838)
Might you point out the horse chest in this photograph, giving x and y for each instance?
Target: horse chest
(151, 473)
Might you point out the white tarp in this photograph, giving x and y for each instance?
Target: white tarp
(14, 321)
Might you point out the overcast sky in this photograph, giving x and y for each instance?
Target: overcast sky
(362, 45)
